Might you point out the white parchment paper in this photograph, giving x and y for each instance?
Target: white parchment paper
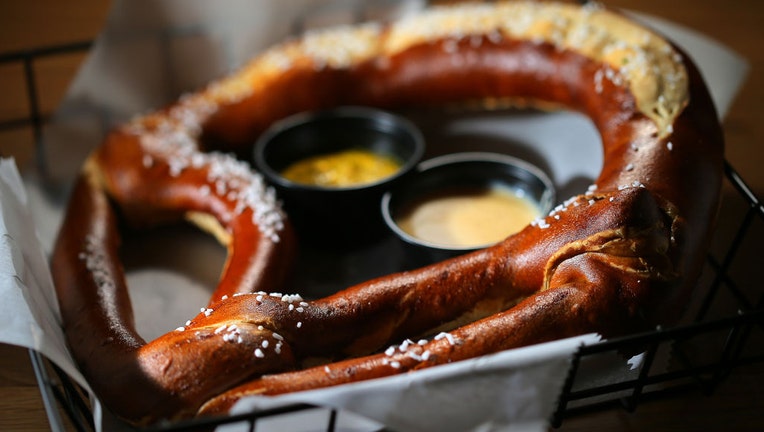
(28, 305)
(149, 53)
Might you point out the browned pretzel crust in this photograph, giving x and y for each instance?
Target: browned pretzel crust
(619, 258)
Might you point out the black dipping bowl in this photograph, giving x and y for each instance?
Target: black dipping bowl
(340, 216)
(472, 169)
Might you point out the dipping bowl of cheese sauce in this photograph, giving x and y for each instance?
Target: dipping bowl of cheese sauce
(462, 202)
(330, 169)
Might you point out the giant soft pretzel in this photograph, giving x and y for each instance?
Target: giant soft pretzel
(621, 257)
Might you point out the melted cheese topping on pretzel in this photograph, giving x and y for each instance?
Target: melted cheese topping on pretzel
(633, 55)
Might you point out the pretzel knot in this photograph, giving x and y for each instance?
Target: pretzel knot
(621, 257)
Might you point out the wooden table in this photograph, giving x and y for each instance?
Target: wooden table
(736, 405)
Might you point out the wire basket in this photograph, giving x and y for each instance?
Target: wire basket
(721, 334)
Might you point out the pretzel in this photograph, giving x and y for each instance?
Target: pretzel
(621, 257)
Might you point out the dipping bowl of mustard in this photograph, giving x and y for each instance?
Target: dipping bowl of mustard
(462, 202)
(330, 168)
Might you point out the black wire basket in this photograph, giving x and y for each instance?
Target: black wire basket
(723, 332)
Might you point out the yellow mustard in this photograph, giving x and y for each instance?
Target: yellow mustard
(342, 169)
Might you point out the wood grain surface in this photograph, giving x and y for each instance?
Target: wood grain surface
(737, 404)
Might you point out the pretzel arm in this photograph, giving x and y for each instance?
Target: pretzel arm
(92, 287)
(626, 254)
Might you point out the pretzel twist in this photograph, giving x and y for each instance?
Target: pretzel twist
(619, 258)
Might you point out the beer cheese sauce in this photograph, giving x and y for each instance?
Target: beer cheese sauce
(342, 169)
(468, 217)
